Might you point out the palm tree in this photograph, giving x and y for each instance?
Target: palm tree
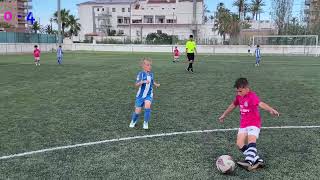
(48, 29)
(222, 20)
(256, 8)
(75, 27)
(242, 6)
(36, 27)
(64, 19)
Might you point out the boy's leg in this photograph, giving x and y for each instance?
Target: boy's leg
(147, 113)
(252, 159)
(242, 145)
(135, 115)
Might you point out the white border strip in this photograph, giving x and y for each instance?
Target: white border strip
(143, 137)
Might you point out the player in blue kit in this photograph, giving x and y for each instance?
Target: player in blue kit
(144, 97)
(59, 55)
(258, 55)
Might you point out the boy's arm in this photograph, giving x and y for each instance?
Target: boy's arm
(156, 84)
(140, 83)
(228, 111)
(269, 109)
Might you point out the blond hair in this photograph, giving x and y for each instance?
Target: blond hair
(145, 59)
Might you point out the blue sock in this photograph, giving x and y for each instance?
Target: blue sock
(135, 117)
(147, 114)
(244, 148)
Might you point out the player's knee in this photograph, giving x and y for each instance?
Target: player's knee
(240, 144)
(137, 110)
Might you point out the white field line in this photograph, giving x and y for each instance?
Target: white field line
(143, 137)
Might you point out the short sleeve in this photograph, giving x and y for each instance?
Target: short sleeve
(236, 102)
(139, 77)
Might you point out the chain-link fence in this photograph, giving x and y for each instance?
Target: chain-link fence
(17, 37)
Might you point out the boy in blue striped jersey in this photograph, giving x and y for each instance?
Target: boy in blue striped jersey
(144, 97)
(59, 55)
(258, 56)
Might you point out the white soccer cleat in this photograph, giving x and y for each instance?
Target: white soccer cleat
(145, 125)
(132, 124)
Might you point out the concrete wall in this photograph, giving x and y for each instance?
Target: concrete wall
(24, 48)
(205, 49)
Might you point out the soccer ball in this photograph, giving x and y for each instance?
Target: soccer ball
(225, 164)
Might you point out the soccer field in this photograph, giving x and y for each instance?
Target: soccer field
(90, 98)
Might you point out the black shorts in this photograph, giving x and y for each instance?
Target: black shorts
(190, 56)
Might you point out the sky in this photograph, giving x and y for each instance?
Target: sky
(43, 9)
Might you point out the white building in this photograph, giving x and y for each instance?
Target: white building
(112, 18)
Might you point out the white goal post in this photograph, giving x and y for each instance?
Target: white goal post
(288, 44)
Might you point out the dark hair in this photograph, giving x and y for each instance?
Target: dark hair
(258, 45)
(60, 46)
(241, 83)
(35, 46)
(191, 36)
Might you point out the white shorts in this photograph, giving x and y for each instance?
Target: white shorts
(250, 131)
(176, 57)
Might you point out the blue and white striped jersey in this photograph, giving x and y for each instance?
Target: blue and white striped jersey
(145, 90)
(258, 53)
(59, 52)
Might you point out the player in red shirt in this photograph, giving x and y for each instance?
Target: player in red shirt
(36, 54)
(250, 122)
(176, 54)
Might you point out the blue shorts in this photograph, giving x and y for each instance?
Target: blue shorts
(140, 101)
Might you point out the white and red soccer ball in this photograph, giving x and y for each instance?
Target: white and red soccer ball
(225, 164)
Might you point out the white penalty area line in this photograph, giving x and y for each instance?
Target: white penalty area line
(143, 137)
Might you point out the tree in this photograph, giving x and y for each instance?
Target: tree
(65, 14)
(36, 27)
(222, 20)
(205, 13)
(226, 23)
(256, 8)
(48, 29)
(282, 11)
(242, 6)
(75, 27)
(5, 25)
(159, 38)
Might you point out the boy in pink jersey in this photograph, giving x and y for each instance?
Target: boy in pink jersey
(176, 54)
(36, 54)
(250, 123)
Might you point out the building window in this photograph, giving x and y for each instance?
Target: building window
(126, 20)
(162, 8)
(97, 9)
(120, 20)
(123, 10)
(121, 32)
(151, 8)
(159, 32)
(102, 9)
(149, 20)
(174, 8)
(135, 21)
(113, 9)
(171, 21)
(129, 9)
